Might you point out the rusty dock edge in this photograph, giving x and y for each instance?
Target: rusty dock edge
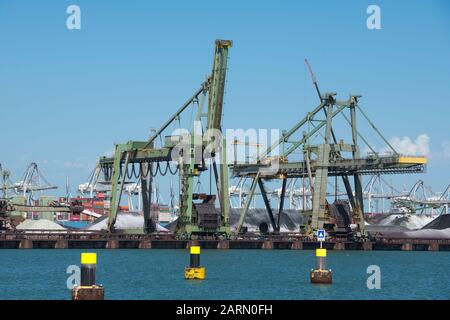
(96, 240)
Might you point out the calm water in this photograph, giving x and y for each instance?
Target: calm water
(231, 274)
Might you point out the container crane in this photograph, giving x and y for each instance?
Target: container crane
(33, 180)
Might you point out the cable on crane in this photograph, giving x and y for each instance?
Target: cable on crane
(154, 173)
(132, 173)
(135, 173)
(147, 170)
(165, 172)
(170, 168)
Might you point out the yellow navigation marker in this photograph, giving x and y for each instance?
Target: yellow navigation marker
(194, 271)
(321, 252)
(321, 274)
(88, 258)
(88, 289)
(195, 250)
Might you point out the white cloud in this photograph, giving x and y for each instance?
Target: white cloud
(445, 149)
(74, 164)
(79, 163)
(405, 145)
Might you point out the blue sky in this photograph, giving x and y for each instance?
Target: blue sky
(67, 95)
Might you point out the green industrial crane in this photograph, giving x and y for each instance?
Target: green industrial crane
(329, 157)
(189, 153)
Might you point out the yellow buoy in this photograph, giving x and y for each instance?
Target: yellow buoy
(194, 271)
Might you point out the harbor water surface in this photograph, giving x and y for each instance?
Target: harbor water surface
(230, 274)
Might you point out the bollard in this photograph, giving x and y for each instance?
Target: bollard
(88, 290)
(321, 274)
(194, 271)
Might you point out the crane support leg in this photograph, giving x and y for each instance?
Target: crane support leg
(117, 187)
(267, 204)
(224, 184)
(280, 209)
(248, 201)
(146, 203)
(146, 191)
(320, 188)
(358, 212)
(348, 189)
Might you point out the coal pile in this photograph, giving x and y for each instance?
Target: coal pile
(290, 220)
(440, 223)
(408, 221)
(437, 229)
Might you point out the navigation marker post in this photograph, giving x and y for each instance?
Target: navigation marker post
(321, 274)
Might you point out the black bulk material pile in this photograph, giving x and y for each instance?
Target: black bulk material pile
(440, 223)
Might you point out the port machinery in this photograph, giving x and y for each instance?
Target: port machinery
(31, 182)
(300, 196)
(311, 150)
(192, 152)
(422, 200)
(319, 161)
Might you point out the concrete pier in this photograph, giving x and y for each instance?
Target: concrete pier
(407, 246)
(26, 244)
(268, 245)
(91, 240)
(297, 245)
(339, 246)
(61, 244)
(223, 244)
(192, 243)
(145, 244)
(112, 244)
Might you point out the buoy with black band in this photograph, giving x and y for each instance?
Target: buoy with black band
(194, 271)
(88, 289)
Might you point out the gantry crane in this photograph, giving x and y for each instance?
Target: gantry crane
(32, 181)
(190, 152)
(422, 199)
(323, 156)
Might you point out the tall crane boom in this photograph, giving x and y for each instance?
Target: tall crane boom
(314, 79)
(217, 90)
